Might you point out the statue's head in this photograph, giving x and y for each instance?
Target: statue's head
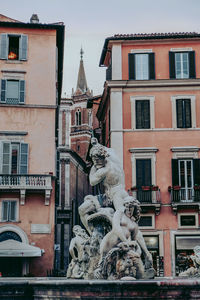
(98, 154)
(132, 207)
(77, 230)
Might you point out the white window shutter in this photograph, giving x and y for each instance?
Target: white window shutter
(4, 46)
(23, 46)
(22, 91)
(6, 160)
(5, 208)
(23, 158)
(3, 90)
(12, 211)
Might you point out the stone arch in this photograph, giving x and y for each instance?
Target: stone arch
(17, 230)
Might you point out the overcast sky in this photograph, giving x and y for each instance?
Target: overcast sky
(89, 22)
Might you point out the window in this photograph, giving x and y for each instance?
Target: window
(78, 117)
(185, 175)
(147, 221)
(142, 110)
(14, 158)
(182, 65)
(183, 113)
(9, 210)
(12, 91)
(186, 220)
(13, 47)
(141, 66)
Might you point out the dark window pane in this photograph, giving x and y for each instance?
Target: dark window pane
(145, 221)
(142, 108)
(188, 220)
(183, 113)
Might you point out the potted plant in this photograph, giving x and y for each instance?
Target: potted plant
(176, 187)
(134, 188)
(146, 188)
(197, 187)
(169, 188)
(154, 188)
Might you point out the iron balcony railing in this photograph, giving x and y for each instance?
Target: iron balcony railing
(185, 195)
(34, 182)
(145, 196)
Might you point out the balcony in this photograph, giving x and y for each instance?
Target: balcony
(184, 197)
(24, 183)
(149, 198)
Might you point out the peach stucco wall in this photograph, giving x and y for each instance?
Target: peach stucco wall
(161, 50)
(36, 117)
(163, 137)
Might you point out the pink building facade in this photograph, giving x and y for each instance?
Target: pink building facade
(150, 111)
(31, 59)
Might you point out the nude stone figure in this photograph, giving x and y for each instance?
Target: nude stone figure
(107, 169)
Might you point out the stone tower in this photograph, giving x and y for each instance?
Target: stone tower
(81, 116)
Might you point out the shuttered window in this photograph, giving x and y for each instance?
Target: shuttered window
(196, 171)
(142, 110)
(143, 172)
(14, 158)
(141, 66)
(182, 65)
(13, 47)
(9, 211)
(12, 91)
(183, 113)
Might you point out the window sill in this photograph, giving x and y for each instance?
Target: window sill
(6, 222)
(15, 62)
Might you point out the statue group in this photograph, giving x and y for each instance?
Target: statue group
(111, 246)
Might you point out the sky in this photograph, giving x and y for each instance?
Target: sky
(89, 22)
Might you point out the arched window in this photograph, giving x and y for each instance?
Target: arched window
(78, 117)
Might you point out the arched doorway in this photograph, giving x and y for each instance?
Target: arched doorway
(11, 266)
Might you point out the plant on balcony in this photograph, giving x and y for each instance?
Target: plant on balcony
(146, 188)
(197, 187)
(176, 187)
(169, 188)
(134, 189)
(154, 188)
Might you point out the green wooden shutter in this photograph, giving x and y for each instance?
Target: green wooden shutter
(142, 109)
(23, 158)
(192, 71)
(4, 46)
(172, 65)
(3, 90)
(5, 209)
(21, 91)
(6, 159)
(23, 46)
(131, 66)
(196, 170)
(175, 175)
(143, 172)
(151, 65)
(179, 113)
(187, 106)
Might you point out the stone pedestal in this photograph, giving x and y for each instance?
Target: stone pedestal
(62, 289)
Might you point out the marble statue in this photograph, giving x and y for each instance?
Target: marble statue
(113, 246)
(195, 270)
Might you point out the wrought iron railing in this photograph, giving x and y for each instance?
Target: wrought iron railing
(185, 195)
(147, 196)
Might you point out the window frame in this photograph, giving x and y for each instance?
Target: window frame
(23, 47)
(174, 110)
(188, 214)
(133, 100)
(21, 91)
(153, 221)
(16, 209)
(21, 155)
(150, 68)
(173, 64)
